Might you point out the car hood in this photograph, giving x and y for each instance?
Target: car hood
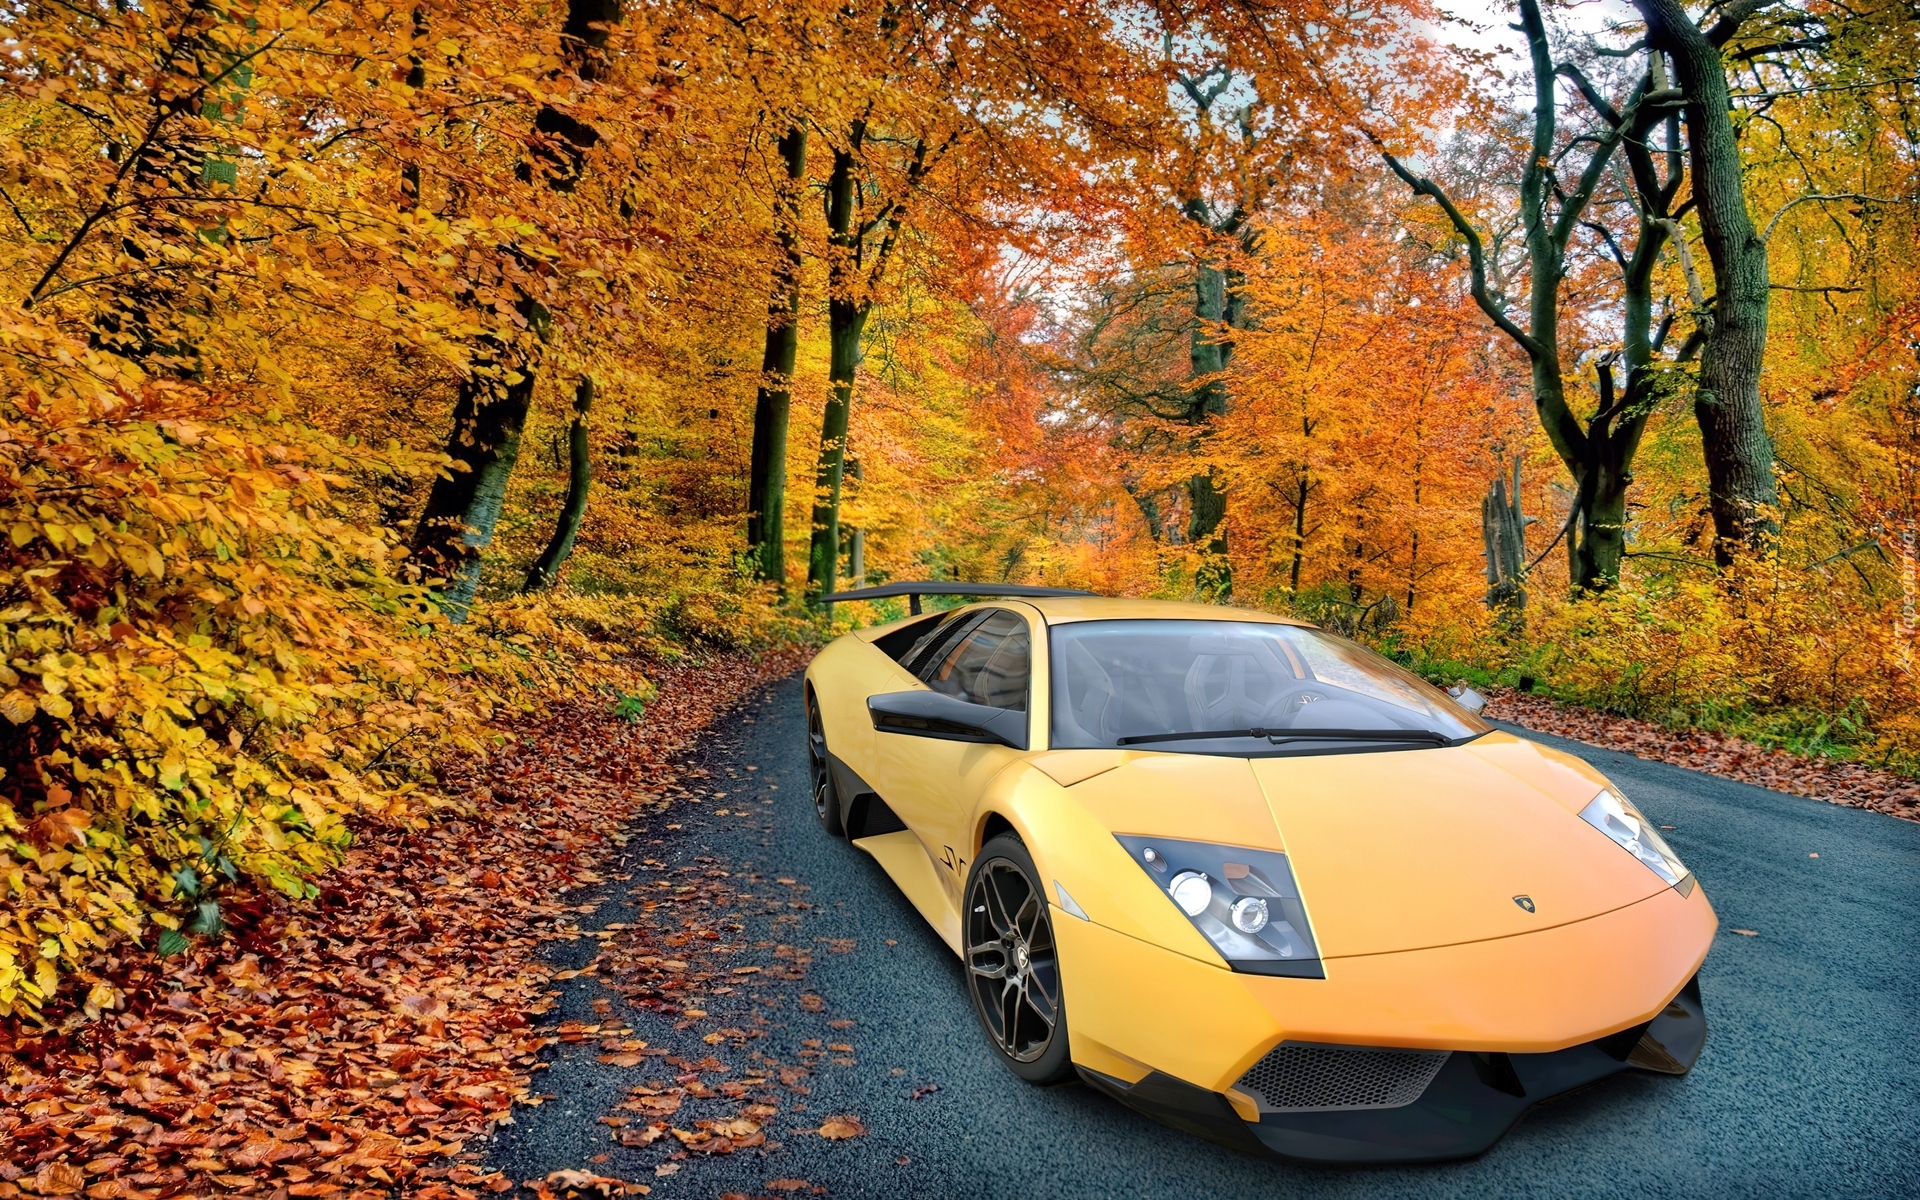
(1396, 850)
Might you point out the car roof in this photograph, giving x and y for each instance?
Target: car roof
(1062, 609)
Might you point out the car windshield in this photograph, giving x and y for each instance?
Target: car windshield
(1257, 688)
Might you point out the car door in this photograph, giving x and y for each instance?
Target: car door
(932, 784)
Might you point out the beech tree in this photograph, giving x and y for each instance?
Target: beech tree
(496, 391)
(866, 216)
(773, 399)
(1597, 450)
(1733, 425)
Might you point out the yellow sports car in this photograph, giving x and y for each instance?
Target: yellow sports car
(1251, 878)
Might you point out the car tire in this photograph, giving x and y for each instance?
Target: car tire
(1013, 963)
(820, 789)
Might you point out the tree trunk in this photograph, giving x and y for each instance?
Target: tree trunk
(1613, 436)
(1299, 532)
(856, 541)
(546, 571)
(1602, 527)
(1207, 357)
(1733, 428)
(767, 472)
(1503, 528)
(464, 504)
(846, 323)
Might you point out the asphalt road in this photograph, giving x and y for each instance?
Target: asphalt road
(1809, 1084)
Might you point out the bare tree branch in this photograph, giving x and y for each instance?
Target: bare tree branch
(1799, 200)
(1476, 254)
(1732, 18)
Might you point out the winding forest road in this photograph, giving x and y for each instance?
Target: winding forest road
(1809, 1084)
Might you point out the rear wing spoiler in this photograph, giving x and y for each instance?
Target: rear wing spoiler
(913, 591)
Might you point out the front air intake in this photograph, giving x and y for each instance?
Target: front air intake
(1301, 1078)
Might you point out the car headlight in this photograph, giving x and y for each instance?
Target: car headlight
(1613, 815)
(1244, 901)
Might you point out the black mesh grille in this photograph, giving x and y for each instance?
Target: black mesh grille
(1294, 1078)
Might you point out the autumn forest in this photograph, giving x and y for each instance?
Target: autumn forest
(374, 372)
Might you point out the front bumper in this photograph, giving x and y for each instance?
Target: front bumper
(1516, 1020)
(1473, 1099)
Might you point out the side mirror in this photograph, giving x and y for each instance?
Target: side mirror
(1467, 698)
(936, 715)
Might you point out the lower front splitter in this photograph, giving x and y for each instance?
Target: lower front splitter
(1473, 1100)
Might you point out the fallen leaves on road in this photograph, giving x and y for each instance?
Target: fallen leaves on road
(1852, 784)
(361, 1041)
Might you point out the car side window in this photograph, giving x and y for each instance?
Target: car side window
(933, 645)
(901, 644)
(991, 665)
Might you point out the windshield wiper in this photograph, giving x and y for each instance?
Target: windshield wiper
(1279, 736)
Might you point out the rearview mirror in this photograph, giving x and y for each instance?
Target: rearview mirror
(1467, 698)
(936, 715)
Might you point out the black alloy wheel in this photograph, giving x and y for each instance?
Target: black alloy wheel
(826, 803)
(1013, 964)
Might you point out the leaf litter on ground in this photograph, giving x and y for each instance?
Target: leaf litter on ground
(355, 1046)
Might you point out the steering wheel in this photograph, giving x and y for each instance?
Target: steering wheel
(1219, 712)
(1286, 707)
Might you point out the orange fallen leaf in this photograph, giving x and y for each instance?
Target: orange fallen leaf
(587, 1181)
(59, 1179)
(836, 1129)
(643, 1137)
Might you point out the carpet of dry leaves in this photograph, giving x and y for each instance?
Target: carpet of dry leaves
(354, 1047)
(1835, 782)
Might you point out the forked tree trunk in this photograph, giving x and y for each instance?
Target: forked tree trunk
(546, 571)
(851, 280)
(772, 406)
(1599, 452)
(847, 311)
